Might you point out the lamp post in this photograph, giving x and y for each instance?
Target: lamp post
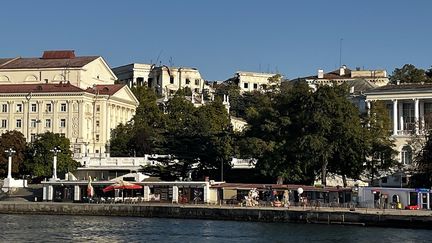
(55, 151)
(10, 152)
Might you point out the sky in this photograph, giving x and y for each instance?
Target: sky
(294, 38)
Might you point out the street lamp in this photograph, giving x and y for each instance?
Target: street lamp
(10, 152)
(55, 151)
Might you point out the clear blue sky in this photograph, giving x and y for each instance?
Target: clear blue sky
(220, 37)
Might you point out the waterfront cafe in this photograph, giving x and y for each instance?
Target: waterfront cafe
(104, 191)
(398, 198)
(234, 193)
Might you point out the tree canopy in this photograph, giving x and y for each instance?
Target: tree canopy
(410, 74)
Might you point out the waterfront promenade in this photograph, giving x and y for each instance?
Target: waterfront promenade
(342, 216)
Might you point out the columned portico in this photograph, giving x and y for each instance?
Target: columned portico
(416, 115)
(395, 117)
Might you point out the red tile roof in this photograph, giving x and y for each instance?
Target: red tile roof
(66, 54)
(35, 62)
(246, 186)
(105, 89)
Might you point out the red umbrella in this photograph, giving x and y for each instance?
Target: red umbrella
(121, 185)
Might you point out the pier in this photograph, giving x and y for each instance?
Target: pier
(419, 219)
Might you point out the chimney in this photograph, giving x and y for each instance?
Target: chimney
(320, 73)
(342, 70)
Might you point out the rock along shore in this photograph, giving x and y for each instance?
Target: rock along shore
(361, 217)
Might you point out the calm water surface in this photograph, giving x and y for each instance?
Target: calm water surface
(49, 228)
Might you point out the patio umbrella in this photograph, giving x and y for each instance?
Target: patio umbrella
(121, 185)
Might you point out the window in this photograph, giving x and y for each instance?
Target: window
(4, 123)
(255, 86)
(187, 81)
(408, 116)
(97, 123)
(48, 107)
(4, 108)
(33, 107)
(97, 137)
(63, 107)
(19, 108)
(246, 85)
(48, 123)
(197, 81)
(18, 123)
(97, 108)
(406, 155)
(62, 122)
(32, 137)
(171, 79)
(33, 123)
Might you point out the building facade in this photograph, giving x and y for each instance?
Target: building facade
(344, 74)
(254, 81)
(162, 79)
(84, 116)
(410, 109)
(74, 96)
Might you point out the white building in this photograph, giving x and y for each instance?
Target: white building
(410, 110)
(85, 116)
(253, 81)
(62, 93)
(344, 74)
(163, 79)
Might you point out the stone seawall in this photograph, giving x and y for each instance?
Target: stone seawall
(405, 219)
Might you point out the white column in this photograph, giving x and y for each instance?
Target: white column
(401, 124)
(56, 120)
(207, 193)
(69, 124)
(416, 115)
(175, 194)
(50, 193)
(77, 196)
(395, 117)
(146, 193)
(81, 123)
(11, 124)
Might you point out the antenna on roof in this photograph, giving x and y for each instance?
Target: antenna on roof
(171, 62)
(340, 52)
(157, 59)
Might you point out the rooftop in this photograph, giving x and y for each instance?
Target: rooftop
(49, 59)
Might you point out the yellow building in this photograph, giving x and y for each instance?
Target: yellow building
(35, 98)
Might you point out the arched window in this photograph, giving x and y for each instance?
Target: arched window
(31, 78)
(4, 78)
(406, 155)
(59, 77)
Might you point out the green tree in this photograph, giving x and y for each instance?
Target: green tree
(40, 160)
(409, 74)
(16, 141)
(423, 160)
(144, 133)
(379, 146)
